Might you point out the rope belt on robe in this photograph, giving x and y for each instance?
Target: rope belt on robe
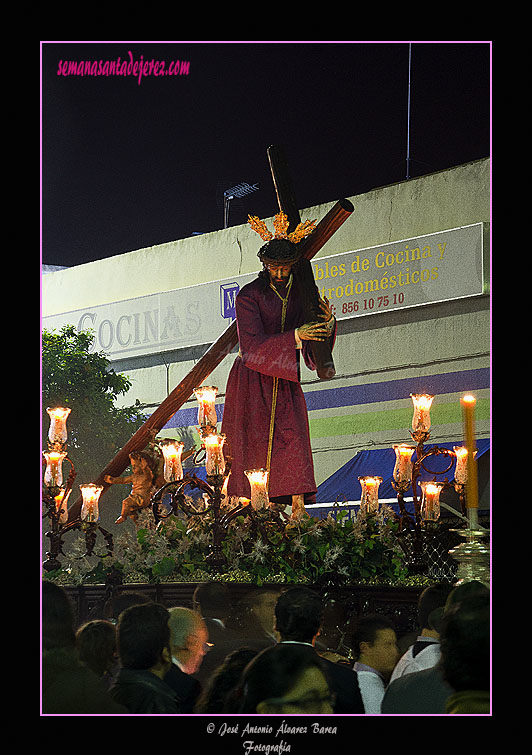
(276, 380)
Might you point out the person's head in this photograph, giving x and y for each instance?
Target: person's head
(432, 598)
(118, 603)
(217, 695)
(96, 644)
(374, 643)
(278, 257)
(57, 617)
(286, 678)
(212, 600)
(465, 644)
(454, 596)
(299, 614)
(465, 590)
(143, 638)
(259, 605)
(188, 638)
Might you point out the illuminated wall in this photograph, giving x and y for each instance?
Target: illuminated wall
(137, 302)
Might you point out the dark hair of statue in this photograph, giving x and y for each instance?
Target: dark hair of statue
(278, 251)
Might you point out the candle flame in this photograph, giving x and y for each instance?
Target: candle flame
(469, 399)
(370, 480)
(406, 450)
(90, 492)
(56, 455)
(257, 475)
(422, 400)
(59, 412)
(172, 450)
(206, 392)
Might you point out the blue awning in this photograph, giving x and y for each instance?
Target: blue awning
(344, 486)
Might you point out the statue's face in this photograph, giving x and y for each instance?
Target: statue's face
(278, 273)
(138, 465)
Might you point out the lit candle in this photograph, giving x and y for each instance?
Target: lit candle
(57, 432)
(89, 508)
(402, 472)
(258, 480)
(206, 396)
(421, 420)
(173, 469)
(430, 502)
(369, 502)
(53, 475)
(468, 411)
(61, 504)
(460, 474)
(214, 461)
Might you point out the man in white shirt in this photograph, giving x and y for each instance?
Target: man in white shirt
(375, 648)
(425, 652)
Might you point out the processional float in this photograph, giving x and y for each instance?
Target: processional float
(223, 346)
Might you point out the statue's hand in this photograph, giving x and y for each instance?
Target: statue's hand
(325, 306)
(313, 331)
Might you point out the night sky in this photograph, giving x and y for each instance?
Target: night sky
(128, 165)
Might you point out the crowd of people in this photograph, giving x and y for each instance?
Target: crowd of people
(272, 652)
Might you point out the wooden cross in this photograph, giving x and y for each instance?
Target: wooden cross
(325, 229)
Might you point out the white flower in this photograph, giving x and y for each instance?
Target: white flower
(332, 555)
(343, 571)
(259, 551)
(298, 545)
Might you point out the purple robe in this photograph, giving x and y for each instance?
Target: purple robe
(266, 353)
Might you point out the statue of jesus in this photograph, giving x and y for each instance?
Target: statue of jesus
(265, 416)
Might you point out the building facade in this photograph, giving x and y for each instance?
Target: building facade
(407, 273)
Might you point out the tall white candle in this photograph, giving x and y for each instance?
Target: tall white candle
(468, 411)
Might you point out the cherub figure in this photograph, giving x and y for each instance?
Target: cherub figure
(141, 480)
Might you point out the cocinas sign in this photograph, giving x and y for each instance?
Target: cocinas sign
(413, 272)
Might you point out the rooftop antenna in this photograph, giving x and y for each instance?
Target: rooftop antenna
(408, 116)
(240, 190)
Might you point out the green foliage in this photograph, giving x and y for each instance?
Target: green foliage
(76, 377)
(258, 549)
(362, 549)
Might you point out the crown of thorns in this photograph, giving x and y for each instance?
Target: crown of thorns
(280, 225)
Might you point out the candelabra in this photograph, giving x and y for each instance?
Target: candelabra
(214, 489)
(55, 496)
(406, 476)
